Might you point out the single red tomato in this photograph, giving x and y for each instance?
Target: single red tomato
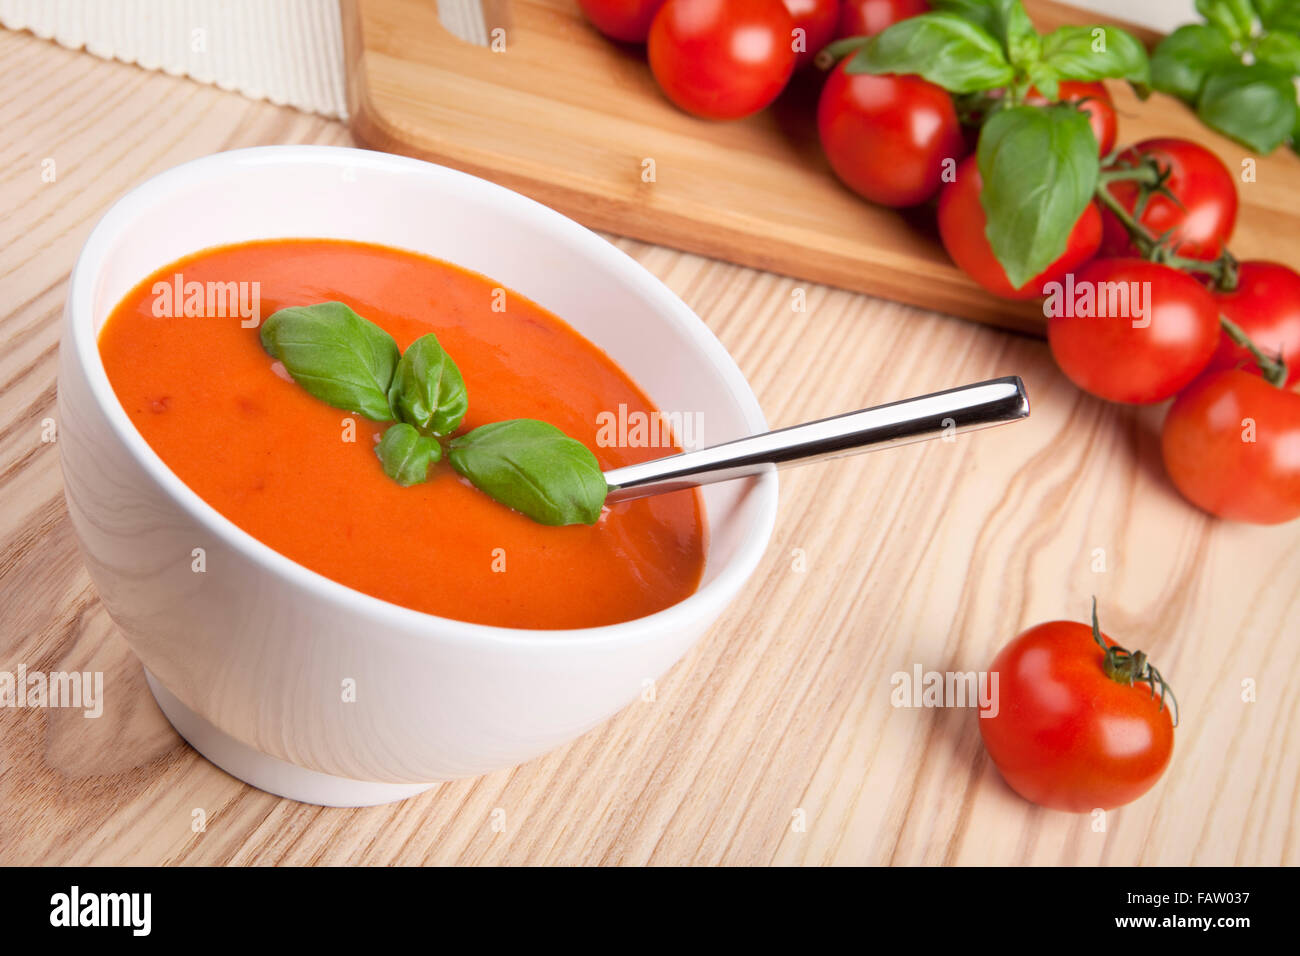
(818, 20)
(1200, 222)
(887, 136)
(1129, 330)
(1093, 99)
(961, 227)
(1231, 444)
(1266, 305)
(625, 20)
(866, 18)
(1078, 722)
(722, 59)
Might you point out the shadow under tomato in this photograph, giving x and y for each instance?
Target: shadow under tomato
(1142, 437)
(795, 115)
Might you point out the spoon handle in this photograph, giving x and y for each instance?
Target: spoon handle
(955, 410)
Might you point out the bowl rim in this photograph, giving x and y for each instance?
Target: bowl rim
(707, 600)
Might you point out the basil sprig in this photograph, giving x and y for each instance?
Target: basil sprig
(534, 468)
(1038, 166)
(351, 363)
(1238, 69)
(971, 46)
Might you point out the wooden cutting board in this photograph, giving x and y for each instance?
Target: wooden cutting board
(575, 121)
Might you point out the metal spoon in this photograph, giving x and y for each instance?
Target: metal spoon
(955, 410)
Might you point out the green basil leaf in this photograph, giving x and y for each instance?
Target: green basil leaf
(1039, 170)
(1005, 20)
(944, 48)
(336, 355)
(1046, 80)
(1279, 49)
(1255, 105)
(533, 467)
(834, 52)
(1279, 14)
(406, 454)
(1234, 18)
(1013, 27)
(1186, 57)
(1267, 9)
(427, 390)
(1097, 53)
(982, 13)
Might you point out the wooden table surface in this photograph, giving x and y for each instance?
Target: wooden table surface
(774, 740)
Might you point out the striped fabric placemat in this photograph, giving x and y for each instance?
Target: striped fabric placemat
(287, 51)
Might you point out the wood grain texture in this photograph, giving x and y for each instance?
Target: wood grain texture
(932, 554)
(568, 118)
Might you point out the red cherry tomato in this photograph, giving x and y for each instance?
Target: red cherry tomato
(1231, 444)
(625, 20)
(722, 59)
(961, 227)
(866, 18)
(1093, 99)
(1068, 735)
(818, 20)
(1266, 305)
(1159, 332)
(1200, 222)
(887, 136)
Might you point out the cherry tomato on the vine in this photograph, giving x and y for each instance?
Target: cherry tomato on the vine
(1093, 99)
(1199, 221)
(624, 20)
(866, 18)
(722, 59)
(1158, 332)
(961, 227)
(1266, 306)
(1069, 732)
(1231, 444)
(887, 136)
(818, 20)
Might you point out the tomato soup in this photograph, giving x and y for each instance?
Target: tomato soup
(302, 476)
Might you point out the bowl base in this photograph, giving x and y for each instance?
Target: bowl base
(270, 773)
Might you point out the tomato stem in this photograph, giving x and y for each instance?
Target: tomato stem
(1152, 177)
(1273, 368)
(1116, 172)
(1223, 270)
(1151, 246)
(1128, 668)
(828, 56)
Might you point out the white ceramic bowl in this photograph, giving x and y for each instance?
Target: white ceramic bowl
(248, 658)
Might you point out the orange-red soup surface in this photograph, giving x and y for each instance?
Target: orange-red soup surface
(275, 461)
